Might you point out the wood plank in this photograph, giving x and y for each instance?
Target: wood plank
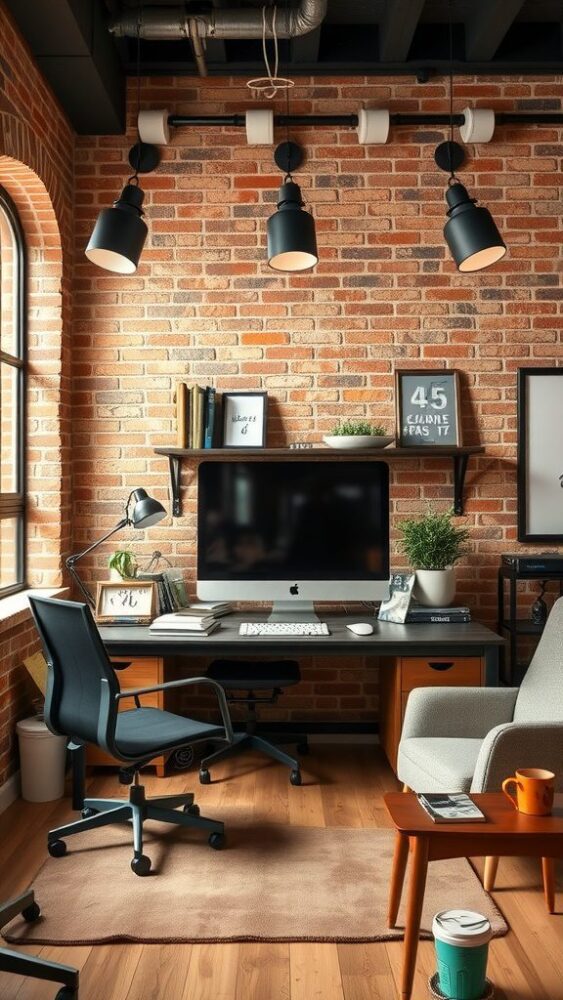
(397, 30)
(487, 24)
(315, 971)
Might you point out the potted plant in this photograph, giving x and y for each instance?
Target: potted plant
(122, 564)
(357, 434)
(433, 544)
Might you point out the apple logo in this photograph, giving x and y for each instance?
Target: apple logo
(294, 590)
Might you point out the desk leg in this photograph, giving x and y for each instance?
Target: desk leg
(548, 872)
(400, 856)
(417, 886)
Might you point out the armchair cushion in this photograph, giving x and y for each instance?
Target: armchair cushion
(141, 731)
(457, 712)
(428, 764)
(508, 747)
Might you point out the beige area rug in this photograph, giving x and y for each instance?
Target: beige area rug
(271, 883)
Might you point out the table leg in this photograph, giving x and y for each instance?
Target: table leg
(400, 856)
(548, 872)
(417, 886)
(491, 865)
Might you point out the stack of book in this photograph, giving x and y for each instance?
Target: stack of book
(420, 614)
(196, 413)
(186, 623)
(215, 608)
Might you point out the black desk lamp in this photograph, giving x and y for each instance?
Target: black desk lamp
(146, 512)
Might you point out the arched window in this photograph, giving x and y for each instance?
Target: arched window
(12, 399)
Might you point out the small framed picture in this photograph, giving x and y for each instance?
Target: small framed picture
(540, 455)
(129, 602)
(244, 419)
(427, 405)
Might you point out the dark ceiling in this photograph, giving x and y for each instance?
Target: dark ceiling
(86, 65)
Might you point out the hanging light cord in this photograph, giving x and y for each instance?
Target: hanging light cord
(452, 179)
(268, 86)
(134, 178)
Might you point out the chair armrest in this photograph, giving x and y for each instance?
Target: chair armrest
(466, 712)
(518, 744)
(185, 682)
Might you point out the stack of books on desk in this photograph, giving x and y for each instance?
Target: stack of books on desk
(216, 608)
(419, 614)
(186, 623)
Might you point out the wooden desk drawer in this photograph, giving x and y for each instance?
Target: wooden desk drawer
(438, 671)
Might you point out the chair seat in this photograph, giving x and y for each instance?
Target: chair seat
(430, 764)
(139, 731)
(249, 675)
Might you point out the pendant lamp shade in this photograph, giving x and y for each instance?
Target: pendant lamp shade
(470, 232)
(292, 242)
(119, 235)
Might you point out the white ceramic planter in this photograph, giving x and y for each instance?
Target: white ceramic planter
(355, 442)
(435, 588)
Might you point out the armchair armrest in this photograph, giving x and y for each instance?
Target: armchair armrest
(185, 682)
(465, 712)
(518, 744)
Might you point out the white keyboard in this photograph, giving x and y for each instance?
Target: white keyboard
(284, 628)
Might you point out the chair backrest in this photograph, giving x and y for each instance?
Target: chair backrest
(540, 698)
(77, 664)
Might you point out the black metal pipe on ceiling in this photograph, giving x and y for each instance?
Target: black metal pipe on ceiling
(351, 121)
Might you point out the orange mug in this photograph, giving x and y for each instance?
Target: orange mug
(534, 791)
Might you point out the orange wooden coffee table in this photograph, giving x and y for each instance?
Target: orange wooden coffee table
(507, 833)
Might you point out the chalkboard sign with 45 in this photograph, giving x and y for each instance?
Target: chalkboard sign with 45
(427, 403)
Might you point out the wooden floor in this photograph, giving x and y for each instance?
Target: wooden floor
(343, 787)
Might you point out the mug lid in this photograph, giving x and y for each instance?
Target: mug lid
(464, 928)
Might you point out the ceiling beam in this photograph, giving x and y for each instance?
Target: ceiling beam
(397, 29)
(305, 48)
(486, 26)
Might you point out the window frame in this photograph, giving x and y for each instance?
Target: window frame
(14, 504)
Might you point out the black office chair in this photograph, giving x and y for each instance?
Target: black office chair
(246, 677)
(28, 965)
(82, 703)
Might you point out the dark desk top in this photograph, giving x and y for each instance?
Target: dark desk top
(387, 639)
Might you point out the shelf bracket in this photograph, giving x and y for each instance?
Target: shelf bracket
(460, 468)
(174, 466)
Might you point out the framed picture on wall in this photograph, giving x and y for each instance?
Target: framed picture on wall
(427, 405)
(540, 455)
(126, 602)
(244, 419)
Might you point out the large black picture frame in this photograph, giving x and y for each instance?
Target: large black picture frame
(540, 455)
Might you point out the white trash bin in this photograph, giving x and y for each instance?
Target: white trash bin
(42, 758)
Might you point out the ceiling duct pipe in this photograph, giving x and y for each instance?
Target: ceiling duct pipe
(170, 23)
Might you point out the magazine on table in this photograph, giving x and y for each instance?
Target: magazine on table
(453, 807)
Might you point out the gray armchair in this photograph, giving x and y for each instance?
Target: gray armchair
(470, 739)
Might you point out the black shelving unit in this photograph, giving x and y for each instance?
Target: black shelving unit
(510, 623)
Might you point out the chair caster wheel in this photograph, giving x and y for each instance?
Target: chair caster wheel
(295, 778)
(204, 777)
(191, 810)
(303, 749)
(67, 994)
(87, 813)
(216, 841)
(141, 866)
(57, 848)
(31, 913)
(126, 776)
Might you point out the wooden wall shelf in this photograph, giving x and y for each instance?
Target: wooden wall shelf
(458, 455)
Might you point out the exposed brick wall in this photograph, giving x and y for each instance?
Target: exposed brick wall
(204, 306)
(36, 168)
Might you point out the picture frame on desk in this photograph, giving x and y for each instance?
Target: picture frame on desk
(427, 403)
(244, 419)
(127, 602)
(540, 455)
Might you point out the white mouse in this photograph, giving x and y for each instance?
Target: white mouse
(361, 628)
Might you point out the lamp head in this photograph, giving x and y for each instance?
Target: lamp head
(471, 232)
(119, 235)
(146, 510)
(292, 243)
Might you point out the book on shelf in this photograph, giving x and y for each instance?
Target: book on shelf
(447, 616)
(209, 417)
(450, 807)
(197, 416)
(182, 414)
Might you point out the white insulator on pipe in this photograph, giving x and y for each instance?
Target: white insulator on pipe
(479, 125)
(260, 127)
(153, 127)
(373, 126)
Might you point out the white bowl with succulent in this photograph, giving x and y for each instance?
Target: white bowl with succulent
(356, 434)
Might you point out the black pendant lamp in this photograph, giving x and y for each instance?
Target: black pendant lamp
(470, 232)
(292, 241)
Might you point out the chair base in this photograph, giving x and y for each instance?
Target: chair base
(21, 964)
(136, 809)
(250, 741)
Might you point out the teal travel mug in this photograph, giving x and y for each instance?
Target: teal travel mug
(462, 944)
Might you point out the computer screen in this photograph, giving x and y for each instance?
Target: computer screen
(277, 530)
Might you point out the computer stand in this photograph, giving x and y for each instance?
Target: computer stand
(293, 611)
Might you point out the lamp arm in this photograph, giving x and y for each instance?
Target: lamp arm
(72, 560)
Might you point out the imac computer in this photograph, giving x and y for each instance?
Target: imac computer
(293, 532)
